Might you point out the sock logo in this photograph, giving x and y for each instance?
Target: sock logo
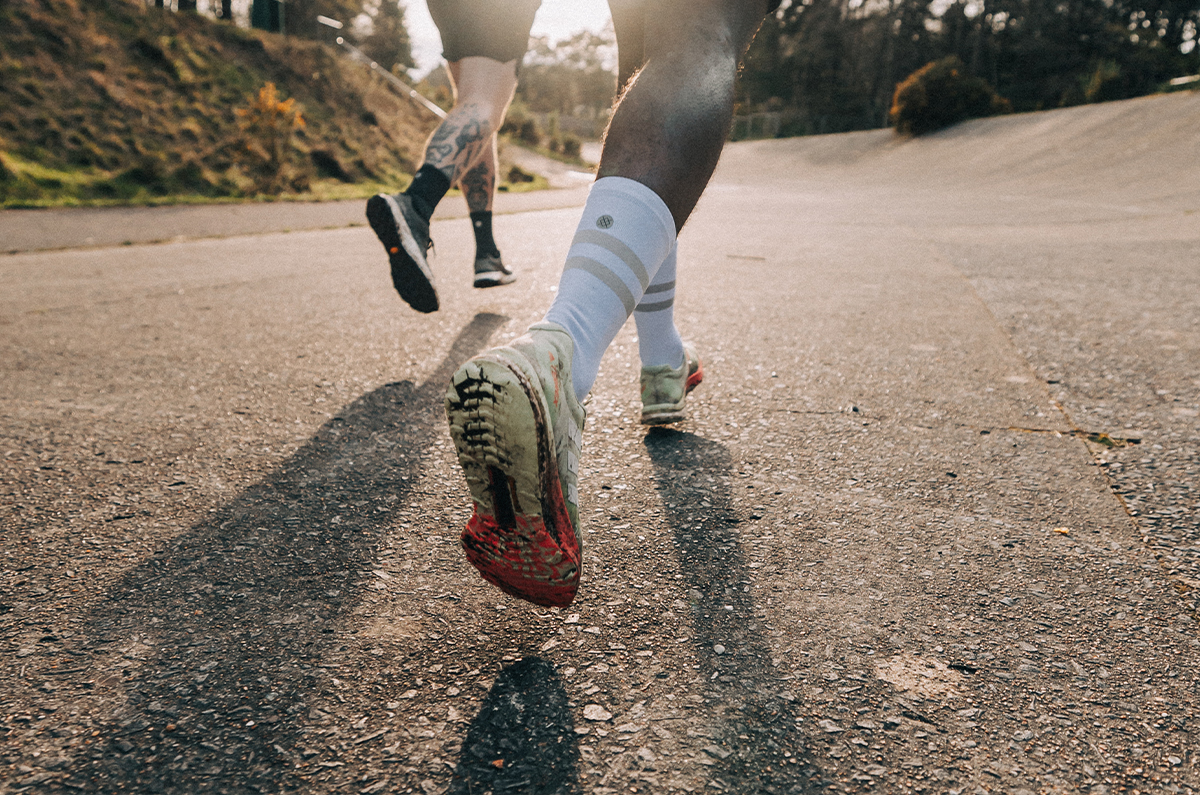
(605, 222)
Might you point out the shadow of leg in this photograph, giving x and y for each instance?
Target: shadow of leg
(758, 746)
(523, 738)
(204, 657)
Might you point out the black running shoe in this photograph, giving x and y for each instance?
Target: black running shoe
(491, 272)
(405, 236)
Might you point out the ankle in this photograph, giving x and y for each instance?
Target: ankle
(485, 244)
(427, 189)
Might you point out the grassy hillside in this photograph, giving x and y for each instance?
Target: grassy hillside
(107, 101)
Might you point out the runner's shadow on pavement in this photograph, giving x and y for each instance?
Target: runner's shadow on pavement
(757, 746)
(204, 656)
(523, 738)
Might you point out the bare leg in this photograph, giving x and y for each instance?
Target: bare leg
(669, 128)
(628, 17)
(479, 184)
(514, 426)
(462, 150)
(467, 137)
(483, 89)
(479, 189)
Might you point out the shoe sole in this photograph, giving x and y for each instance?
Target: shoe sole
(520, 536)
(667, 414)
(410, 272)
(493, 279)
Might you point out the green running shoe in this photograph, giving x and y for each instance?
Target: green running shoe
(665, 388)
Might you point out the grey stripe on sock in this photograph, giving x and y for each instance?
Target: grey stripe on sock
(610, 279)
(644, 307)
(660, 288)
(622, 251)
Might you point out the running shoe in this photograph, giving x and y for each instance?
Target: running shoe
(518, 429)
(665, 388)
(491, 272)
(405, 236)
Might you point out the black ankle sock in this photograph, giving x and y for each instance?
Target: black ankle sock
(427, 189)
(485, 245)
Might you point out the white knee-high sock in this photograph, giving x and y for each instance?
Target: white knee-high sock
(658, 338)
(625, 234)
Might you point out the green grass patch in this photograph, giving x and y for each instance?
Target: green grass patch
(27, 184)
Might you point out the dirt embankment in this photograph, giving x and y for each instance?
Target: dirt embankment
(111, 101)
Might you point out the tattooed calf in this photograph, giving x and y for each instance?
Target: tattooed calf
(479, 185)
(459, 142)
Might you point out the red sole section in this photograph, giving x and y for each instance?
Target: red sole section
(695, 378)
(527, 561)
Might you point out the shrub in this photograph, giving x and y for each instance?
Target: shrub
(268, 124)
(941, 94)
(517, 175)
(328, 165)
(1105, 83)
(149, 173)
(190, 177)
(529, 132)
(521, 124)
(571, 145)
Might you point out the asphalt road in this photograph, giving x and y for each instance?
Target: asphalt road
(930, 527)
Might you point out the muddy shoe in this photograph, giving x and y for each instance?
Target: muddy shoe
(665, 388)
(518, 429)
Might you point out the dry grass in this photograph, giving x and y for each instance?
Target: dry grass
(109, 102)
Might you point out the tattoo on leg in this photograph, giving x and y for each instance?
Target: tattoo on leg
(458, 143)
(478, 185)
(439, 149)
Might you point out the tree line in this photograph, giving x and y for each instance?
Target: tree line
(833, 65)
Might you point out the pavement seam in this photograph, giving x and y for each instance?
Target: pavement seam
(1095, 437)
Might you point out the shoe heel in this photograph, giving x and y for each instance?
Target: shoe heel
(521, 536)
